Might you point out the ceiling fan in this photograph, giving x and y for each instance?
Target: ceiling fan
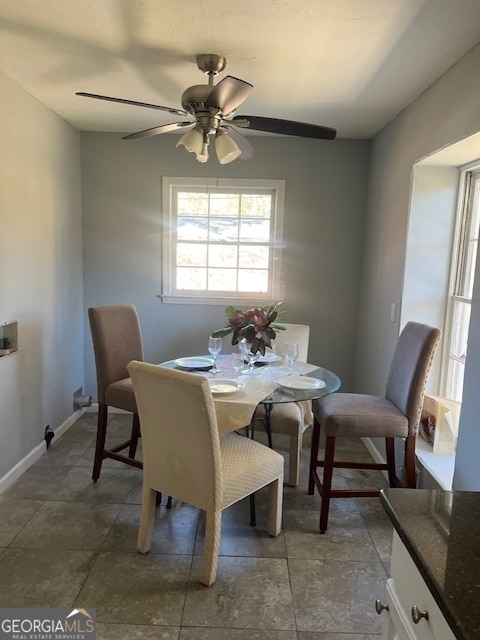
(212, 108)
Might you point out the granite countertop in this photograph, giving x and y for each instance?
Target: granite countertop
(441, 531)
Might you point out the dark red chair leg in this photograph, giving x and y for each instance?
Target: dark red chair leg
(313, 455)
(390, 449)
(135, 435)
(100, 444)
(410, 472)
(327, 482)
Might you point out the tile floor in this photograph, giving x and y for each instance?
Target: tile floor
(65, 541)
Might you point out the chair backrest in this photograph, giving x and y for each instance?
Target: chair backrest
(180, 441)
(294, 333)
(117, 340)
(410, 368)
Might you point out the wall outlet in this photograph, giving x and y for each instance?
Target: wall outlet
(49, 435)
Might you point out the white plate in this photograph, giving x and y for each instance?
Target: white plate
(300, 382)
(225, 385)
(196, 362)
(265, 359)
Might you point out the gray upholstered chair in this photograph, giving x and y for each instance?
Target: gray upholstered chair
(117, 340)
(396, 415)
(292, 418)
(184, 457)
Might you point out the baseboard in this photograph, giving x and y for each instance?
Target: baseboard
(93, 408)
(36, 453)
(373, 451)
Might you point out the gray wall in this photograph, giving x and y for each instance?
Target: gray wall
(447, 112)
(40, 271)
(41, 261)
(323, 232)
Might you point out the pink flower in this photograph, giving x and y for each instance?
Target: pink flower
(258, 318)
(237, 321)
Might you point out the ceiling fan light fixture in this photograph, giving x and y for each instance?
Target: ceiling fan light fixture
(202, 156)
(192, 141)
(226, 148)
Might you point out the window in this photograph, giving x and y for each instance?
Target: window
(463, 278)
(222, 240)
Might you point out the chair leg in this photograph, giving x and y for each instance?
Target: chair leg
(327, 482)
(147, 520)
(100, 443)
(410, 472)
(213, 530)
(275, 501)
(294, 464)
(135, 435)
(390, 450)
(313, 455)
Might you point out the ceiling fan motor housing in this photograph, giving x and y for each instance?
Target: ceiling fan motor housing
(193, 98)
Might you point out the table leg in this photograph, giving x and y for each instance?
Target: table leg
(253, 517)
(268, 411)
(268, 427)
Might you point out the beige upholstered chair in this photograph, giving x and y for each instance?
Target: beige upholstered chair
(117, 340)
(292, 418)
(397, 415)
(185, 458)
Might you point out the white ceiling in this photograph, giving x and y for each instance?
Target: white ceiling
(348, 64)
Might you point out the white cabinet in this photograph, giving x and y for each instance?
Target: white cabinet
(408, 599)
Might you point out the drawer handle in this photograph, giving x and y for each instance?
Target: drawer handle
(417, 615)
(379, 607)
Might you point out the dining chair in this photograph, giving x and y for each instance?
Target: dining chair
(395, 415)
(184, 456)
(117, 340)
(291, 418)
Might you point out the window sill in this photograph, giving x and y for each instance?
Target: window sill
(223, 302)
(439, 465)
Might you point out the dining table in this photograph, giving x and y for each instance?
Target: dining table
(237, 394)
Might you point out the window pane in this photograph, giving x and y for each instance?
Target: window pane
(224, 204)
(253, 256)
(191, 278)
(222, 256)
(253, 280)
(460, 324)
(472, 244)
(256, 206)
(255, 230)
(222, 280)
(457, 372)
(223, 229)
(192, 228)
(458, 350)
(192, 204)
(219, 232)
(192, 254)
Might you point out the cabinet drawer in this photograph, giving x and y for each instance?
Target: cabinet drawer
(407, 589)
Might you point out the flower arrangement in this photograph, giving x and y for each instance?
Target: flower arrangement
(258, 326)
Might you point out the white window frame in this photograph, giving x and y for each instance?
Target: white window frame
(468, 174)
(169, 293)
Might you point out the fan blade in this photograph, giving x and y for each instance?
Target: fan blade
(286, 127)
(228, 94)
(248, 152)
(155, 131)
(172, 110)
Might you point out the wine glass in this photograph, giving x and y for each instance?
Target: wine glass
(270, 354)
(290, 354)
(238, 363)
(251, 358)
(214, 348)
